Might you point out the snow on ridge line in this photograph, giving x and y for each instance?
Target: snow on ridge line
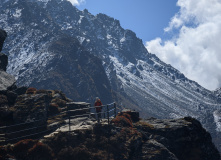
(162, 87)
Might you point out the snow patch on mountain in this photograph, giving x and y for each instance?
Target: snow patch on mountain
(217, 119)
(17, 13)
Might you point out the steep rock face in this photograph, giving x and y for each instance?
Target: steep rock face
(7, 83)
(71, 69)
(217, 92)
(40, 51)
(138, 78)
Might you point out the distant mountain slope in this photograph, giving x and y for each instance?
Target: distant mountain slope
(67, 67)
(41, 57)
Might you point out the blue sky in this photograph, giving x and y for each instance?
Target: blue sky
(147, 18)
(183, 33)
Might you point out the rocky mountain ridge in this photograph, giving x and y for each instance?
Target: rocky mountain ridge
(52, 60)
(129, 73)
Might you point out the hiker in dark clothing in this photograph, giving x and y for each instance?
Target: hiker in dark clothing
(98, 107)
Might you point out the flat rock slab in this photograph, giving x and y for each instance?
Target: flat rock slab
(168, 123)
(6, 80)
(84, 123)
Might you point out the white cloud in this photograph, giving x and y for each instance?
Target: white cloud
(77, 2)
(196, 50)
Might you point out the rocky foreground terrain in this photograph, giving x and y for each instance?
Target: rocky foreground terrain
(125, 138)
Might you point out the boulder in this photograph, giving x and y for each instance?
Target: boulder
(153, 150)
(6, 81)
(3, 61)
(3, 36)
(185, 138)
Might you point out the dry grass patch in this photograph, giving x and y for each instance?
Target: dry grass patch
(145, 125)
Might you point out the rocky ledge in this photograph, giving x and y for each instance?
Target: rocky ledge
(152, 139)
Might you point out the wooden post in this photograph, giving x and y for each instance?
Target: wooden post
(103, 112)
(115, 110)
(108, 114)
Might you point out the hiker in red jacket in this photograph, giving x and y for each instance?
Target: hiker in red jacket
(98, 107)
